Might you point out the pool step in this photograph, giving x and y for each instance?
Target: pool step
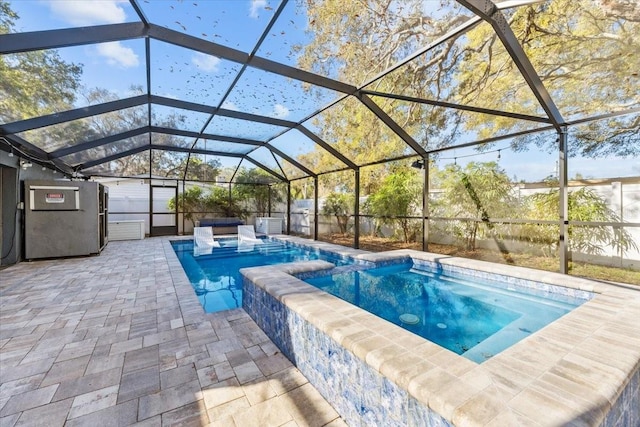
(234, 251)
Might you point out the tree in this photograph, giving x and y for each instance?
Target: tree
(193, 203)
(343, 127)
(586, 53)
(471, 197)
(584, 205)
(108, 124)
(625, 9)
(356, 41)
(253, 186)
(353, 42)
(165, 162)
(587, 57)
(398, 198)
(196, 202)
(225, 204)
(178, 165)
(33, 83)
(339, 205)
(201, 170)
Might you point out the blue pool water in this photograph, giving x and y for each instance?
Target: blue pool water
(216, 278)
(474, 319)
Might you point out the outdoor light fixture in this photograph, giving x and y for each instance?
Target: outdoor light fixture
(418, 164)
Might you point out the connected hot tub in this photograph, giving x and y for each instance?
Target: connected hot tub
(580, 369)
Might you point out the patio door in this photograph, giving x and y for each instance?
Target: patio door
(164, 221)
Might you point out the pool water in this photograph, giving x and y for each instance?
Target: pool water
(216, 278)
(472, 318)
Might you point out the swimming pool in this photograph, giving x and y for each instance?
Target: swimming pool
(581, 369)
(469, 316)
(216, 278)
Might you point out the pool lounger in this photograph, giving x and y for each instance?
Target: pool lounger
(203, 241)
(247, 235)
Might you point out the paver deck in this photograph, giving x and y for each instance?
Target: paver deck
(121, 339)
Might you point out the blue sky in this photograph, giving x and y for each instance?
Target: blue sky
(99, 61)
(177, 72)
(181, 73)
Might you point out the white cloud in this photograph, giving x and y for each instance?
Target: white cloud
(256, 5)
(228, 105)
(118, 55)
(280, 111)
(83, 13)
(168, 95)
(206, 63)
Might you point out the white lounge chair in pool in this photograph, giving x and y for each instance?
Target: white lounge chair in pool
(203, 241)
(247, 234)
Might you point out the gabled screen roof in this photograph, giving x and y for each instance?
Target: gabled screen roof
(297, 88)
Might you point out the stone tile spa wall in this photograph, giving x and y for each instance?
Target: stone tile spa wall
(360, 394)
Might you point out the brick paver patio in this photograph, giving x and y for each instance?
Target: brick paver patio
(121, 339)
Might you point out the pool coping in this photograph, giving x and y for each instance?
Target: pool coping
(573, 371)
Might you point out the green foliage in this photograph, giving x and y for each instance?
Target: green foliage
(353, 42)
(482, 191)
(302, 189)
(196, 203)
(252, 186)
(339, 205)
(587, 56)
(398, 197)
(7, 17)
(34, 83)
(474, 194)
(165, 163)
(586, 53)
(192, 203)
(199, 170)
(225, 204)
(584, 205)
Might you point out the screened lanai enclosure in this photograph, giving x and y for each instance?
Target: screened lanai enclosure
(507, 131)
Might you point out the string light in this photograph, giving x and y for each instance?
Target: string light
(497, 150)
(28, 157)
